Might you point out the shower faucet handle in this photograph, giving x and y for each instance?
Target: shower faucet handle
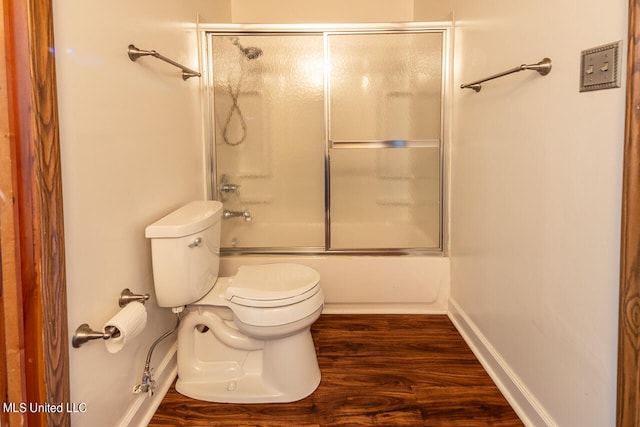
(227, 187)
(226, 214)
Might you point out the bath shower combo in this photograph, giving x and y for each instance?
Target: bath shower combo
(336, 138)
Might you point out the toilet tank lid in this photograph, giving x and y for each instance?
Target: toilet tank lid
(189, 219)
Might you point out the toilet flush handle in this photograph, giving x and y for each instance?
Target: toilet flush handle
(196, 242)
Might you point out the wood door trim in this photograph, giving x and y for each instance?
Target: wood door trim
(628, 397)
(39, 231)
(11, 333)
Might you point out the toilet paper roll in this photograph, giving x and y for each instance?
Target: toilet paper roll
(130, 321)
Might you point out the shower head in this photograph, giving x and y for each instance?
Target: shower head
(252, 52)
(249, 52)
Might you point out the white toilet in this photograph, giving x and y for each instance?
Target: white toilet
(242, 339)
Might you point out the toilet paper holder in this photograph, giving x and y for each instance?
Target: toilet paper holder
(84, 332)
(126, 296)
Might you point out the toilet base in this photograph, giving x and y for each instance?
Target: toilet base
(249, 389)
(224, 366)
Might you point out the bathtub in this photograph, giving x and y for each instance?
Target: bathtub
(369, 284)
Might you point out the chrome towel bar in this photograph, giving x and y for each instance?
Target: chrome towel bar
(135, 53)
(543, 67)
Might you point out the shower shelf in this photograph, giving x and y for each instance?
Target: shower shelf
(256, 200)
(395, 202)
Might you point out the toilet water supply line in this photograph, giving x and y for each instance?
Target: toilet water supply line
(148, 383)
(84, 333)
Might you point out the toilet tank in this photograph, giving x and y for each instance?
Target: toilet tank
(185, 252)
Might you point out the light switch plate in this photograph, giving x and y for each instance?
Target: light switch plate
(600, 67)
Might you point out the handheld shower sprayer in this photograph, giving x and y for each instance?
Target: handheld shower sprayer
(250, 53)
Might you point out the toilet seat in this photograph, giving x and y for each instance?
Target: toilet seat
(272, 285)
(292, 299)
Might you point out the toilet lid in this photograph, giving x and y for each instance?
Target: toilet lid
(268, 282)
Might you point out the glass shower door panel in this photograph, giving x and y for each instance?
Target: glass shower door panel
(385, 97)
(385, 86)
(385, 198)
(269, 139)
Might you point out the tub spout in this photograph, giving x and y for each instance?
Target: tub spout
(232, 214)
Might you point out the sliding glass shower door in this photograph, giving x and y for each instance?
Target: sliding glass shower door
(385, 97)
(268, 103)
(328, 141)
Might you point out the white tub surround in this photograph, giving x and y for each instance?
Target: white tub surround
(369, 284)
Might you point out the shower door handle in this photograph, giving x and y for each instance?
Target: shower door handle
(385, 143)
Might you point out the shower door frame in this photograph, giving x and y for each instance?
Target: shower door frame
(325, 30)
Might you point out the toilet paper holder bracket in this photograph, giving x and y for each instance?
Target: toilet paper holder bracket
(84, 332)
(126, 296)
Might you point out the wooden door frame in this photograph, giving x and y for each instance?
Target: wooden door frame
(38, 260)
(628, 397)
(34, 309)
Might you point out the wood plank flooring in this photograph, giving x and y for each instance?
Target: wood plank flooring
(386, 370)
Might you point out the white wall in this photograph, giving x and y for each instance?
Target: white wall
(535, 201)
(131, 142)
(325, 11)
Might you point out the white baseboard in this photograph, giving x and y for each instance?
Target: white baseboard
(519, 397)
(144, 406)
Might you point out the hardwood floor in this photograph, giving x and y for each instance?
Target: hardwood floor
(386, 370)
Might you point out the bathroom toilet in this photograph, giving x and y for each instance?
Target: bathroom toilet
(244, 338)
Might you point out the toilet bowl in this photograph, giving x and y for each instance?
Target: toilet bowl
(244, 338)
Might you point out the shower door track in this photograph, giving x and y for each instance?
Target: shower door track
(326, 30)
(350, 28)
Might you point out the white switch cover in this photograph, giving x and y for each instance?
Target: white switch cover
(600, 67)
